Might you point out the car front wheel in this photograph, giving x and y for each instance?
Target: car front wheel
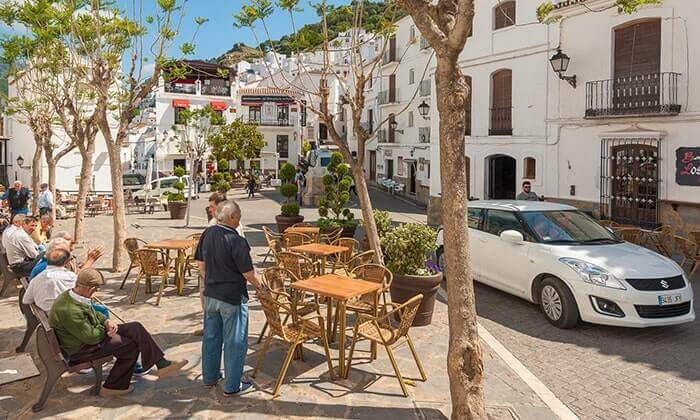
(558, 304)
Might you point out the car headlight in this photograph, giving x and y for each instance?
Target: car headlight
(591, 273)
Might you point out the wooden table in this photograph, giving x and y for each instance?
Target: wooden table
(181, 246)
(341, 289)
(319, 250)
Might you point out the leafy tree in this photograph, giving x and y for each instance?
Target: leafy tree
(545, 10)
(336, 184)
(236, 141)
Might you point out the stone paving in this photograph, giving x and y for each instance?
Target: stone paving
(371, 391)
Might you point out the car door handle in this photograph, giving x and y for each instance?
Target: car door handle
(483, 239)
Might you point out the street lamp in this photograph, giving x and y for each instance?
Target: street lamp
(20, 161)
(424, 110)
(393, 124)
(560, 63)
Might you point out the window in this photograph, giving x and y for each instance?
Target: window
(322, 131)
(255, 113)
(180, 115)
(498, 221)
(410, 118)
(283, 145)
(530, 168)
(411, 76)
(369, 81)
(428, 172)
(475, 217)
(468, 108)
(638, 49)
(504, 15)
(501, 103)
(399, 166)
(283, 114)
(413, 34)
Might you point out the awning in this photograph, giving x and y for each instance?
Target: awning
(219, 106)
(181, 103)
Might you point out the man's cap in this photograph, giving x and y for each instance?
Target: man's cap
(90, 278)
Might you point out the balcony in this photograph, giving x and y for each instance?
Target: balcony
(425, 87)
(216, 90)
(187, 88)
(390, 96)
(424, 134)
(389, 56)
(270, 122)
(640, 95)
(382, 136)
(501, 122)
(424, 45)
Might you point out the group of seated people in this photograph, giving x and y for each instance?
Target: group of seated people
(64, 290)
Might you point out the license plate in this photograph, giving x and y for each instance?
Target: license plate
(669, 299)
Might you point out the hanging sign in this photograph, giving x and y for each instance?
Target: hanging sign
(688, 166)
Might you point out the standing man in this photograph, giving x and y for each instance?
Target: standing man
(300, 180)
(17, 198)
(226, 266)
(527, 194)
(45, 201)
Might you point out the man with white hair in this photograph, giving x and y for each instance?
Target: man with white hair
(42, 232)
(22, 252)
(45, 200)
(226, 266)
(17, 198)
(53, 281)
(15, 223)
(93, 255)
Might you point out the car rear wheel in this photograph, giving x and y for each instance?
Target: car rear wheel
(558, 304)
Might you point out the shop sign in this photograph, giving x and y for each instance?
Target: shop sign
(688, 166)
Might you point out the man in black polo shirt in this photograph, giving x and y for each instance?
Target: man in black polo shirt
(225, 263)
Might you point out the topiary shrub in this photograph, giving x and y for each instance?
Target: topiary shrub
(288, 191)
(383, 222)
(287, 173)
(407, 247)
(179, 172)
(290, 209)
(336, 184)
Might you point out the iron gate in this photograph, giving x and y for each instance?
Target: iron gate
(629, 180)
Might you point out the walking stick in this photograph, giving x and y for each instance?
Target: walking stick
(110, 311)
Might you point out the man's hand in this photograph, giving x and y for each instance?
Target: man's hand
(95, 253)
(111, 328)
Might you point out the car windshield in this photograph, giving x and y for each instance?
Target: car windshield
(133, 179)
(567, 227)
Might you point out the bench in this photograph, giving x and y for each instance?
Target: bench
(29, 317)
(8, 276)
(56, 363)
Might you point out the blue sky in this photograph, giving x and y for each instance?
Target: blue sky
(218, 35)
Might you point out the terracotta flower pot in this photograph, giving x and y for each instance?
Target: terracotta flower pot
(177, 209)
(283, 222)
(404, 287)
(348, 231)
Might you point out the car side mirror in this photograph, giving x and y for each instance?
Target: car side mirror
(512, 236)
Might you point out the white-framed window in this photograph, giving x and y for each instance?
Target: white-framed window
(529, 168)
(413, 34)
(411, 76)
(410, 118)
(399, 166)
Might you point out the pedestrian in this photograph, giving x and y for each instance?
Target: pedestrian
(17, 198)
(527, 194)
(251, 186)
(226, 266)
(300, 181)
(353, 190)
(45, 200)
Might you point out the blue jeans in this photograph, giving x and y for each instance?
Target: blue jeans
(226, 326)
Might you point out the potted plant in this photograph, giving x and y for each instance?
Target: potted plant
(336, 184)
(176, 201)
(289, 213)
(406, 249)
(384, 224)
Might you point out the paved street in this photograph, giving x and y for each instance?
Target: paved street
(370, 391)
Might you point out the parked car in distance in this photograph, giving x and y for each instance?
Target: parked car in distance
(132, 182)
(160, 187)
(575, 269)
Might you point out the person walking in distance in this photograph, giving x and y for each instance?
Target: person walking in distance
(251, 186)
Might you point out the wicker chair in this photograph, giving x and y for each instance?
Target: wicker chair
(190, 262)
(292, 239)
(300, 265)
(380, 330)
(688, 254)
(366, 257)
(303, 224)
(152, 263)
(132, 245)
(664, 239)
(292, 334)
(331, 237)
(274, 243)
(341, 259)
(694, 236)
(608, 223)
(278, 279)
(631, 235)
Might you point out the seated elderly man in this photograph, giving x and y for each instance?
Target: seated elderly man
(22, 252)
(86, 335)
(92, 256)
(53, 281)
(42, 232)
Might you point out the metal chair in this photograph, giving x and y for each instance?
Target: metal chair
(293, 334)
(302, 266)
(275, 243)
(631, 235)
(152, 263)
(380, 330)
(132, 245)
(292, 239)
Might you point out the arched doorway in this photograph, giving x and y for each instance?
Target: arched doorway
(501, 177)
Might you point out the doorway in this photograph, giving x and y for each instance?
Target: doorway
(501, 177)
(372, 166)
(412, 177)
(390, 169)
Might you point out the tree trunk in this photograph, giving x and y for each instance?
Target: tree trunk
(51, 163)
(189, 192)
(36, 173)
(367, 213)
(86, 167)
(464, 363)
(119, 214)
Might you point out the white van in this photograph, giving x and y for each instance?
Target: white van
(161, 186)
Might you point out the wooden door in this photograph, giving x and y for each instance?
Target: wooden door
(392, 88)
(372, 165)
(636, 78)
(501, 103)
(390, 169)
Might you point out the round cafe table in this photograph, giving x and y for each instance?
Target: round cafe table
(181, 246)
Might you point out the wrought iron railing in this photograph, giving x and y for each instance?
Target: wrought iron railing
(271, 122)
(382, 136)
(501, 121)
(424, 44)
(424, 134)
(390, 96)
(390, 56)
(187, 88)
(643, 94)
(216, 90)
(425, 87)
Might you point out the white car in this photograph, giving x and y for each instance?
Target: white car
(161, 186)
(556, 256)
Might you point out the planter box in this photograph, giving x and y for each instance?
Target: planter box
(405, 287)
(283, 222)
(178, 209)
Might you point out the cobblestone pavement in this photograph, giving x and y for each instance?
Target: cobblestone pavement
(370, 391)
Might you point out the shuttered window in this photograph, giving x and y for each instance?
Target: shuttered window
(638, 49)
(504, 15)
(468, 108)
(501, 103)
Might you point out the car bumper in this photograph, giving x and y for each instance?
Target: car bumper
(628, 300)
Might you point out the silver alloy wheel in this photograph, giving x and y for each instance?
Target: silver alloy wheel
(551, 302)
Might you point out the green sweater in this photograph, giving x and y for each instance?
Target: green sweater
(75, 324)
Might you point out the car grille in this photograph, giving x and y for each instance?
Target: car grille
(665, 311)
(656, 284)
